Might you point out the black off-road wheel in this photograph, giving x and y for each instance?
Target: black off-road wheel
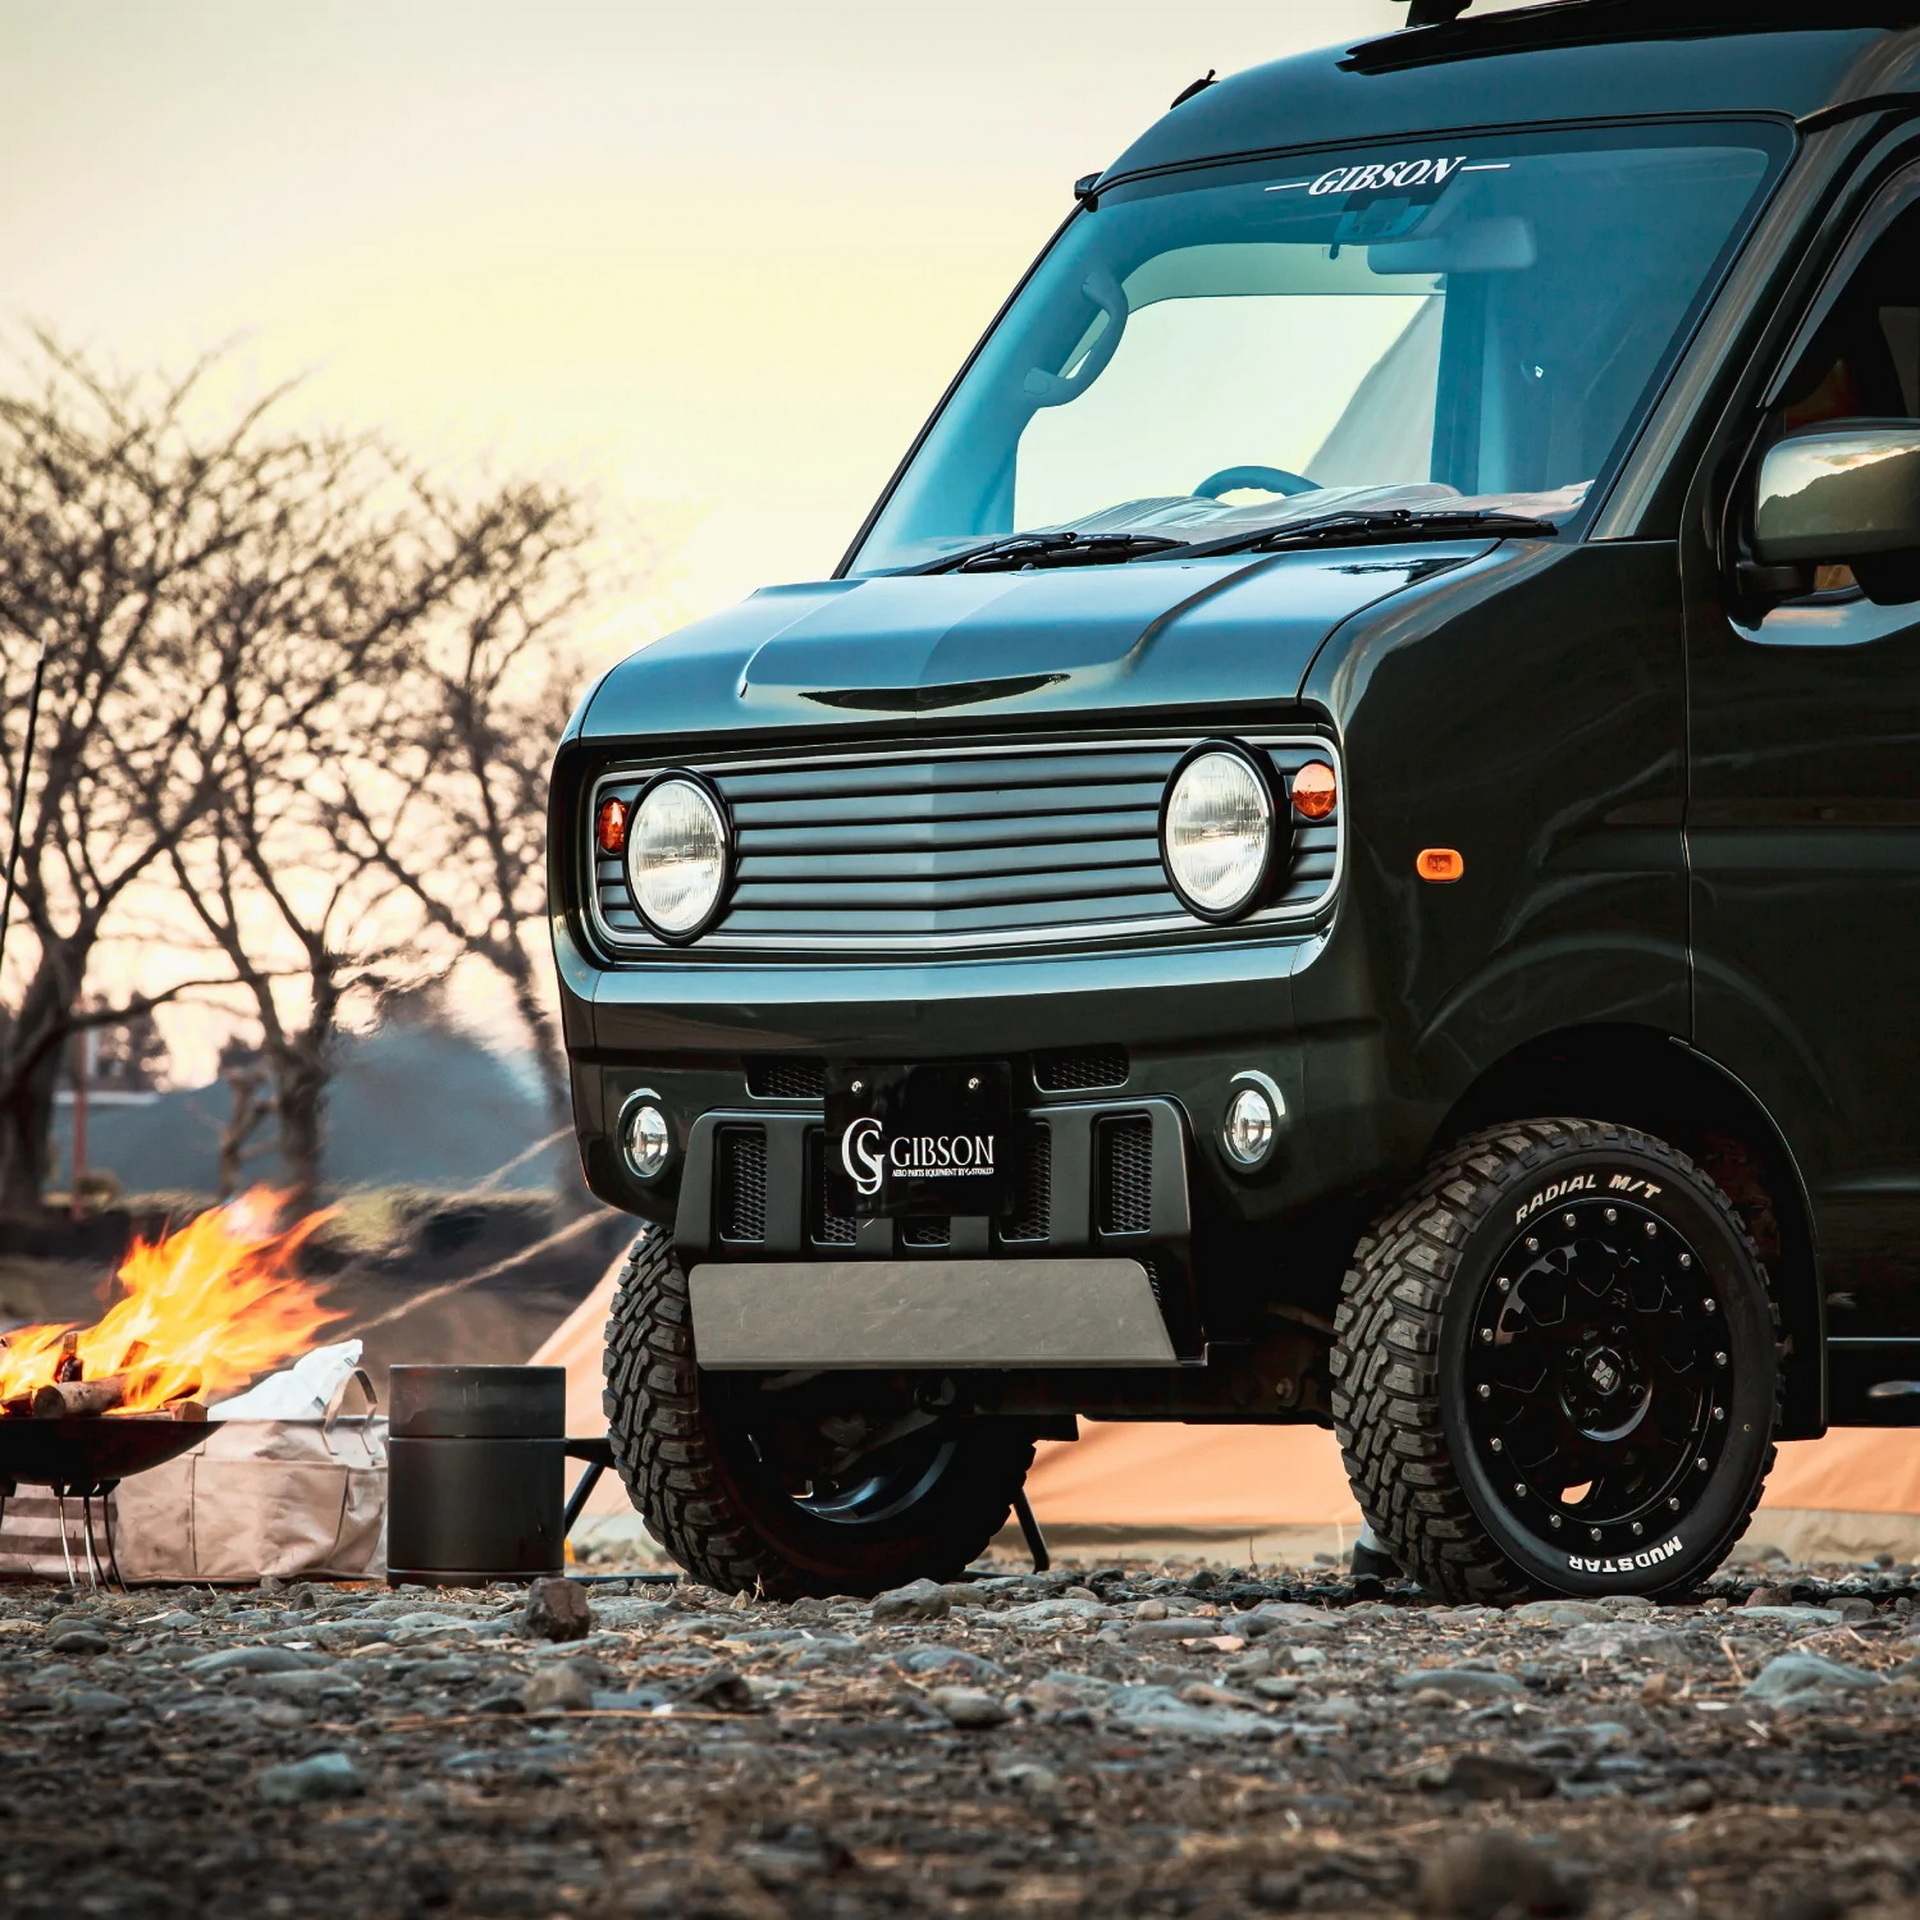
(748, 1492)
(1557, 1368)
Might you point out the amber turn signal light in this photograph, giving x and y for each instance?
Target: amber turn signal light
(1316, 790)
(1439, 864)
(610, 826)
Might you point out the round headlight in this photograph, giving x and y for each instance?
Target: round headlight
(1217, 833)
(677, 856)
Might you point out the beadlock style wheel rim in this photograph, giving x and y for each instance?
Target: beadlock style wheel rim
(1599, 1379)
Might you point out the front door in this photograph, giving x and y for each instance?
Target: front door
(1804, 823)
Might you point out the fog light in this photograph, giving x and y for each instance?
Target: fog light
(645, 1140)
(1250, 1125)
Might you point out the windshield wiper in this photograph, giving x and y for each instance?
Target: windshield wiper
(1020, 550)
(1378, 528)
(1381, 527)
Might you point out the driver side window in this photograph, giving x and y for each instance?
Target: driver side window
(1862, 364)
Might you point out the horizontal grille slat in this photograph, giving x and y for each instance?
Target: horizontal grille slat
(958, 863)
(984, 804)
(832, 779)
(954, 891)
(925, 845)
(924, 836)
(1030, 913)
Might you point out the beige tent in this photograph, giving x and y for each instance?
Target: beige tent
(1278, 1493)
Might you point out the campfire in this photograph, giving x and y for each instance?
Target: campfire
(201, 1312)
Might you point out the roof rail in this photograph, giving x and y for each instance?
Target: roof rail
(1447, 36)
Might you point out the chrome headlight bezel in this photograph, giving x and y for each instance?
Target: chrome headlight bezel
(715, 807)
(1276, 821)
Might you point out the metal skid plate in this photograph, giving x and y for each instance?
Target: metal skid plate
(927, 1313)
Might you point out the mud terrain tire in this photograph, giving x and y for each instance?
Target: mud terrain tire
(695, 1472)
(1557, 1299)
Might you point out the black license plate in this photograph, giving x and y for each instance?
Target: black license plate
(933, 1137)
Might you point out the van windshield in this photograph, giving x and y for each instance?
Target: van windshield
(1430, 326)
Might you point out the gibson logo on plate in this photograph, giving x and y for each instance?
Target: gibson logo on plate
(926, 1137)
(913, 1156)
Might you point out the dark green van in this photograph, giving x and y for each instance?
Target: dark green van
(1344, 845)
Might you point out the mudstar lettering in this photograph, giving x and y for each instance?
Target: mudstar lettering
(1629, 1562)
(1381, 175)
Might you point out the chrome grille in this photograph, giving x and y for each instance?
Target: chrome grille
(976, 845)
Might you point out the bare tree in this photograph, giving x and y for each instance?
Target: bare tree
(459, 822)
(315, 691)
(322, 630)
(118, 523)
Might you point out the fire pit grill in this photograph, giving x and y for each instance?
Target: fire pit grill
(86, 1454)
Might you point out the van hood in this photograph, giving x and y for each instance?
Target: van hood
(923, 649)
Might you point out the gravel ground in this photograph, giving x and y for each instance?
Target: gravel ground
(1094, 1741)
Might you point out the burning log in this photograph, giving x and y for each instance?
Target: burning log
(65, 1398)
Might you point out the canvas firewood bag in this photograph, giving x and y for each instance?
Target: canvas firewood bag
(290, 1498)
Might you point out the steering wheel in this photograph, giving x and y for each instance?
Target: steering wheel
(1270, 479)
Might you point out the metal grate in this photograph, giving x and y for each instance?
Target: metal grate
(1032, 1215)
(1071, 1069)
(825, 1228)
(1125, 1178)
(933, 1231)
(743, 1183)
(773, 1076)
(921, 846)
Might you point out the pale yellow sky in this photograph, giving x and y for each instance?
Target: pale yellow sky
(715, 263)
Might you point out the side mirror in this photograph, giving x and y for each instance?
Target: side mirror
(1847, 494)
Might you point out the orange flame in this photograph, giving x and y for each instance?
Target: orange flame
(202, 1311)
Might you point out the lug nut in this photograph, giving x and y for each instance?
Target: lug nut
(1553, 1520)
(1653, 1227)
(1593, 1533)
(1638, 1529)
(1701, 1462)
(1495, 1444)
(1719, 1359)
(1503, 1284)
(1567, 1220)
(1686, 1259)
(1486, 1392)
(1673, 1506)
(1486, 1335)
(1533, 1245)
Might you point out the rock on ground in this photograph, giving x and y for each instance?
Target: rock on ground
(1105, 1741)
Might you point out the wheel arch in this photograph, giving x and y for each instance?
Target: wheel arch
(1656, 1082)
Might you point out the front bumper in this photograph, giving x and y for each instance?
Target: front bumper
(726, 1048)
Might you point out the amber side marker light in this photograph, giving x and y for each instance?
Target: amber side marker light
(1316, 790)
(1438, 864)
(610, 826)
